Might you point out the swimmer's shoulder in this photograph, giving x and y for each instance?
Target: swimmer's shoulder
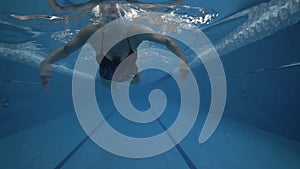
(139, 29)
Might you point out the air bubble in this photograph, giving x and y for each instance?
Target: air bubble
(294, 7)
(5, 102)
(251, 31)
(258, 27)
(283, 13)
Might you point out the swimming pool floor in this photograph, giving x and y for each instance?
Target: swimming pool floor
(233, 145)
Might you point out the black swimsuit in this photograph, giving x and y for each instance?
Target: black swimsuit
(108, 67)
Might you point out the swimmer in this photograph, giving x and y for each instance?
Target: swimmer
(111, 60)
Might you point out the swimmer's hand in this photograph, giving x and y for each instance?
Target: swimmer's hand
(183, 69)
(45, 74)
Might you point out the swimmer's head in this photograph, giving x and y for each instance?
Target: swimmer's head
(111, 11)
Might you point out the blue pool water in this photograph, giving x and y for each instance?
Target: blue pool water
(258, 44)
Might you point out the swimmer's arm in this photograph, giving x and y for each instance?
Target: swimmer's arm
(168, 42)
(56, 55)
(54, 5)
(173, 47)
(63, 52)
(78, 41)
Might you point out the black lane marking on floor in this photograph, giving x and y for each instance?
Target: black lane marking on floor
(187, 160)
(71, 153)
